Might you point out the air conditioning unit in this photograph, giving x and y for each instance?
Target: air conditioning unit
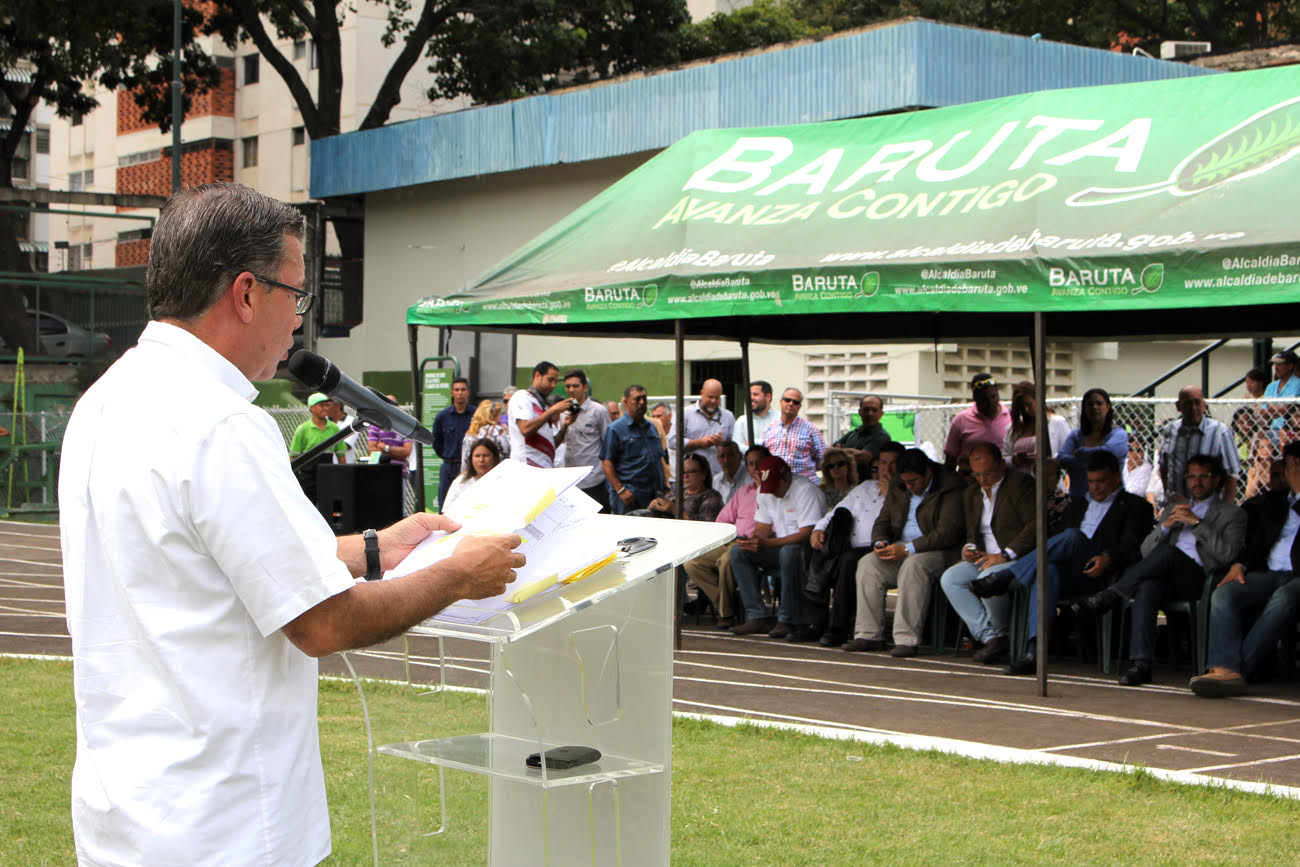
(1170, 50)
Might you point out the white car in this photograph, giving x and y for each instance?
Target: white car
(62, 339)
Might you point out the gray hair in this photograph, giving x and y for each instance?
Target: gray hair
(206, 236)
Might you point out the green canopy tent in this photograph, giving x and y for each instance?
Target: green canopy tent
(1143, 209)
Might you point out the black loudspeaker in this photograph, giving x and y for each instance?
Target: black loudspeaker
(356, 497)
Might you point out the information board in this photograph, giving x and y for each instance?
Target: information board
(436, 387)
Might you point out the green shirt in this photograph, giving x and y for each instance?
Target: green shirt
(866, 439)
(308, 435)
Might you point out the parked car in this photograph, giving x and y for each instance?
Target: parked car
(63, 339)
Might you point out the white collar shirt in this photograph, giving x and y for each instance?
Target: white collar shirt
(1096, 513)
(864, 503)
(184, 555)
(801, 506)
(1279, 556)
(990, 499)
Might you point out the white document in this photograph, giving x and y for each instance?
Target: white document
(545, 508)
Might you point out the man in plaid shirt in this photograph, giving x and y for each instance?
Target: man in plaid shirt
(795, 440)
(1195, 433)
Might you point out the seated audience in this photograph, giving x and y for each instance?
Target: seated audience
(1104, 535)
(788, 507)
(1249, 420)
(1001, 513)
(1058, 501)
(839, 475)
(699, 501)
(1137, 469)
(839, 541)
(1096, 432)
(484, 454)
(917, 535)
(1286, 383)
(1259, 465)
(711, 572)
(733, 474)
(1200, 535)
(1262, 585)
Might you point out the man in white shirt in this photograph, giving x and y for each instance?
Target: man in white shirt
(200, 582)
(344, 419)
(788, 506)
(762, 411)
(537, 426)
(586, 432)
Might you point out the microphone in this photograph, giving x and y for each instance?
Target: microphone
(319, 374)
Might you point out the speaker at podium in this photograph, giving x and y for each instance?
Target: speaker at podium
(355, 497)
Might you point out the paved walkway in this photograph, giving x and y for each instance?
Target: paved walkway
(942, 701)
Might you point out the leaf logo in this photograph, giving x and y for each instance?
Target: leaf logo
(649, 295)
(869, 285)
(1255, 145)
(1152, 278)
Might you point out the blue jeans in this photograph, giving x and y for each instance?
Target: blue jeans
(1067, 553)
(786, 561)
(1278, 593)
(986, 618)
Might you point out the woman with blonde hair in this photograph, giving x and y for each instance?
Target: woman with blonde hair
(839, 475)
(483, 425)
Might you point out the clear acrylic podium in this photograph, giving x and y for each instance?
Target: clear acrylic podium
(589, 664)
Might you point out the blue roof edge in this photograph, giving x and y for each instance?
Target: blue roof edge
(930, 64)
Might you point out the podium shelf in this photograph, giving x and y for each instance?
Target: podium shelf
(502, 756)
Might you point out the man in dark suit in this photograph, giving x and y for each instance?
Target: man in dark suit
(915, 537)
(1200, 535)
(1265, 580)
(1001, 519)
(1103, 537)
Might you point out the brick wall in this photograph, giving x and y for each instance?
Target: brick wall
(130, 253)
(219, 101)
(200, 166)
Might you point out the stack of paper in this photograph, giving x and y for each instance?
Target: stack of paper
(546, 508)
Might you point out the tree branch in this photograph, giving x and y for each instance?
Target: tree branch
(390, 91)
(297, 88)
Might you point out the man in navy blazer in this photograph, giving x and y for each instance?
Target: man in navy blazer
(1263, 581)
(1103, 536)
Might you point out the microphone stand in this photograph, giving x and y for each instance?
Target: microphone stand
(315, 451)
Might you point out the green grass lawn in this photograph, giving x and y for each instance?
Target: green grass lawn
(741, 796)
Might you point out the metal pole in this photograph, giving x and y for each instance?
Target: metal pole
(679, 334)
(1039, 350)
(178, 114)
(417, 401)
(744, 371)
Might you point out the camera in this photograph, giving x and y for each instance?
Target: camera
(574, 406)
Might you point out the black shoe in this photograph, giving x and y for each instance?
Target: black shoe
(832, 638)
(1099, 603)
(992, 585)
(1023, 665)
(803, 633)
(1136, 674)
(995, 650)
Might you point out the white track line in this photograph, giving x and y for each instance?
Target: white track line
(999, 754)
(1195, 750)
(31, 562)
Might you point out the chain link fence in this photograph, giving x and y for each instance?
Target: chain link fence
(1259, 430)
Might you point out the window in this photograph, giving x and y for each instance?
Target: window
(250, 152)
(43, 140)
(140, 157)
(299, 135)
(299, 49)
(252, 68)
(80, 181)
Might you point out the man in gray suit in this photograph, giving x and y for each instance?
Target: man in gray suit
(1191, 538)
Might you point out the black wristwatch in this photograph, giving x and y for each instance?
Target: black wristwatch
(373, 572)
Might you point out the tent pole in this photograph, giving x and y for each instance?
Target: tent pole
(417, 400)
(744, 371)
(1039, 350)
(679, 333)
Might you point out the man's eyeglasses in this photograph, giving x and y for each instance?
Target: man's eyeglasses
(303, 300)
(794, 400)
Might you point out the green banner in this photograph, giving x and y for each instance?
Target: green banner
(1155, 195)
(436, 386)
